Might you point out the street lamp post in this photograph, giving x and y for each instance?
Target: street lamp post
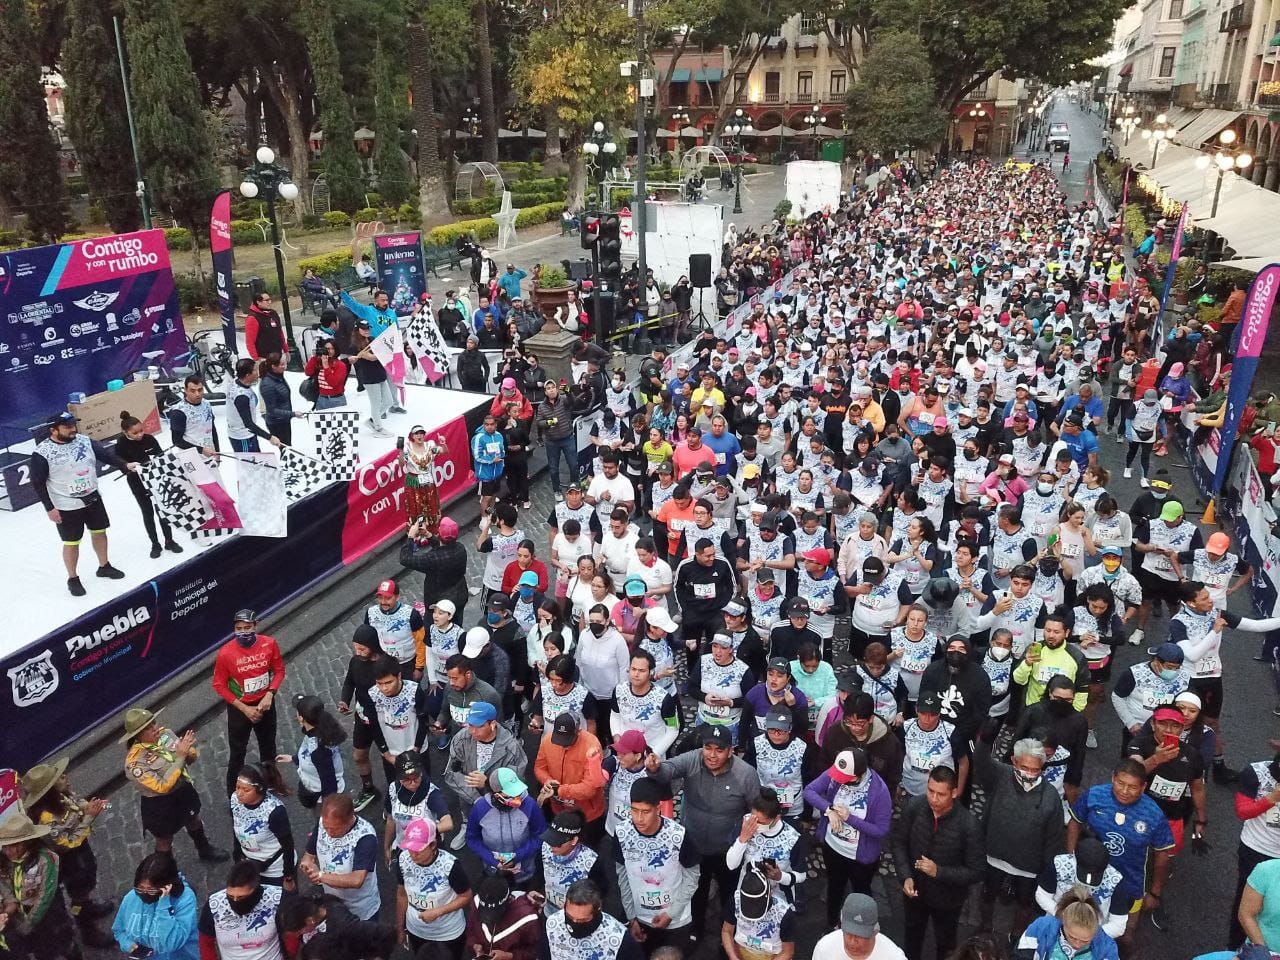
(814, 119)
(1226, 156)
(601, 146)
(1128, 121)
(736, 127)
(271, 181)
(1160, 132)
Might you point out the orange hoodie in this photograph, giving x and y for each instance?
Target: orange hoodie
(577, 770)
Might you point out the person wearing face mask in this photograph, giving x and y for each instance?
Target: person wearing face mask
(1140, 429)
(505, 826)
(1098, 629)
(1022, 827)
(502, 924)
(962, 686)
(583, 931)
(247, 673)
(1146, 685)
(1053, 657)
(997, 664)
(1158, 543)
(241, 922)
(1122, 584)
(1056, 719)
(158, 916)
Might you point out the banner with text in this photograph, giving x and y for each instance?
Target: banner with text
(78, 315)
(375, 498)
(401, 270)
(220, 248)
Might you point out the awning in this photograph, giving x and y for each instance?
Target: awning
(1179, 117)
(1207, 125)
(770, 132)
(664, 132)
(1127, 70)
(1252, 264)
(690, 132)
(680, 75)
(709, 75)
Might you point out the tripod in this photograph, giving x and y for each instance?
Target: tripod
(699, 323)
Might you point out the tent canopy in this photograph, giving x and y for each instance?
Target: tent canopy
(1206, 125)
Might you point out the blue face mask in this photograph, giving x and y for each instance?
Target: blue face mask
(1158, 496)
(493, 619)
(247, 638)
(526, 592)
(1168, 675)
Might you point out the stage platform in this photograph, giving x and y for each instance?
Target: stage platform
(72, 660)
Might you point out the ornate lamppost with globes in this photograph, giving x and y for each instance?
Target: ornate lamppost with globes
(1160, 132)
(1128, 121)
(599, 151)
(739, 124)
(270, 181)
(1226, 156)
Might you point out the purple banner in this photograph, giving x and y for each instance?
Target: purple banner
(401, 270)
(220, 247)
(1254, 320)
(74, 316)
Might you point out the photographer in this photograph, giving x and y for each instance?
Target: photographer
(452, 319)
(473, 367)
(330, 372)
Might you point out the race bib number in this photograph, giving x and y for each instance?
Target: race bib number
(655, 899)
(870, 601)
(458, 714)
(80, 485)
(1209, 665)
(420, 902)
(1045, 672)
(788, 793)
(257, 684)
(492, 449)
(1160, 562)
(1039, 528)
(1070, 550)
(715, 710)
(1272, 818)
(1167, 789)
(704, 591)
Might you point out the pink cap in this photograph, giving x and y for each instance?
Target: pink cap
(418, 835)
(1176, 370)
(448, 528)
(387, 588)
(630, 741)
(508, 383)
(940, 421)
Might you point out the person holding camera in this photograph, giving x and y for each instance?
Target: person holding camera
(330, 373)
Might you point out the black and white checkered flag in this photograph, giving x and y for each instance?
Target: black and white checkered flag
(302, 474)
(337, 442)
(422, 335)
(179, 502)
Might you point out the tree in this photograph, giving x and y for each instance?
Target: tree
(433, 197)
(893, 103)
(30, 181)
(96, 119)
(571, 68)
(173, 136)
(342, 166)
(484, 82)
(395, 179)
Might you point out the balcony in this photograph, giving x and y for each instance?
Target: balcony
(806, 97)
(1239, 17)
(1220, 95)
(773, 97)
(834, 96)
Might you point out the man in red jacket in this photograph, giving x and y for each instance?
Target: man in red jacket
(263, 334)
(247, 673)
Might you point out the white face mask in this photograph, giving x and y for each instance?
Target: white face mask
(1000, 654)
(1044, 489)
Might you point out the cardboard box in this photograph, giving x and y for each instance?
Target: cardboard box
(99, 415)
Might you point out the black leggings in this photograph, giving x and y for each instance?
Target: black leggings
(150, 515)
(1146, 456)
(238, 731)
(282, 430)
(842, 872)
(1117, 407)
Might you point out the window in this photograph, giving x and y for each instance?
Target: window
(808, 26)
(1175, 10)
(739, 87)
(837, 83)
(1166, 61)
(771, 84)
(804, 83)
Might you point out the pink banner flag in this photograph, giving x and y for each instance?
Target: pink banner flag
(388, 347)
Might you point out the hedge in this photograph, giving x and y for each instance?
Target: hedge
(326, 264)
(177, 238)
(250, 231)
(366, 215)
(336, 218)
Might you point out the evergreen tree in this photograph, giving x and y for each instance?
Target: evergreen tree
(173, 137)
(395, 179)
(893, 103)
(341, 165)
(30, 181)
(96, 119)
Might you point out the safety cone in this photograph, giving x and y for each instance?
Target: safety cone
(1210, 518)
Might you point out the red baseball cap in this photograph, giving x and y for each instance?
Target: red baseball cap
(818, 555)
(387, 588)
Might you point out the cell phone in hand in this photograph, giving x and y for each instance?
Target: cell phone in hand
(140, 952)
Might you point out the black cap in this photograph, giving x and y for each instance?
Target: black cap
(873, 566)
(565, 826)
(1092, 861)
(409, 764)
(245, 615)
(499, 602)
(713, 734)
(780, 663)
(849, 682)
(929, 702)
(769, 521)
(797, 607)
(564, 731)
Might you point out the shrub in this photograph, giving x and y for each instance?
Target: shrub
(1135, 224)
(97, 212)
(244, 232)
(373, 199)
(312, 221)
(478, 207)
(366, 215)
(782, 210)
(192, 295)
(448, 234)
(539, 214)
(75, 184)
(336, 218)
(176, 238)
(552, 276)
(326, 264)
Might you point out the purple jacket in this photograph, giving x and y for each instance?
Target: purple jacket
(873, 829)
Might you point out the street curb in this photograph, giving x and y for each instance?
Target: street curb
(189, 699)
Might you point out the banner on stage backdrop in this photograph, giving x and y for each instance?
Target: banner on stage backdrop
(76, 678)
(220, 248)
(260, 495)
(1254, 320)
(75, 316)
(375, 498)
(422, 336)
(401, 269)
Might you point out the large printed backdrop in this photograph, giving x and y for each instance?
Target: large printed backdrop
(77, 315)
(76, 678)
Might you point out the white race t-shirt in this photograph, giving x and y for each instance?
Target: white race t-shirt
(831, 947)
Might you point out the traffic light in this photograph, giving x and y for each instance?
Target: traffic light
(590, 230)
(610, 249)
